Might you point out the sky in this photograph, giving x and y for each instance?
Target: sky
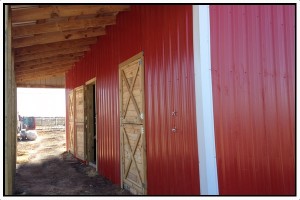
(41, 102)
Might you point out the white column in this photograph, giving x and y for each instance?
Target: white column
(204, 101)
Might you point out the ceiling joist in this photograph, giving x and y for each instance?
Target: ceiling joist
(51, 65)
(29, 30)
(71, 57)
(55, 46)
(22, 78)
(57, 37)
(52, 54)
(37, 73)
(49, 39)
(37, 13)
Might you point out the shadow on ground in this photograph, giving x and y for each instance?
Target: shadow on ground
(62, 175)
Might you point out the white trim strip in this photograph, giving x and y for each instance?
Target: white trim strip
(204, 101)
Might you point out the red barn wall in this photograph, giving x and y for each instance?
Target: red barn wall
(164, 33)
(253, 77)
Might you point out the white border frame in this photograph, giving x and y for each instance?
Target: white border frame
(204, 101)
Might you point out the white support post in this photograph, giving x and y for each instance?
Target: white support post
(204, 101)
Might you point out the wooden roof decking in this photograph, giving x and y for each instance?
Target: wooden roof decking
(48, 39)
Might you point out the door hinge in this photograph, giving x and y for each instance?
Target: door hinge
(142, 130)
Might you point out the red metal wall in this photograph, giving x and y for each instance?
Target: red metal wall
(164, 33)
(253, 74)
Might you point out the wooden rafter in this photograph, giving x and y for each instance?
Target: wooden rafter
(32, 14)
(49, 39)
(39, 76)
(57, 37)
(62, 26)
(71, 57)
(43, 72)
(44, 66)
(51, 54)
(55, 46)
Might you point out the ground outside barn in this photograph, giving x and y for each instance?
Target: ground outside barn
(45, 168)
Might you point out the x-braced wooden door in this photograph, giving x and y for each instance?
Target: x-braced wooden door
(132, 121)
(71, 121)
(79, 123)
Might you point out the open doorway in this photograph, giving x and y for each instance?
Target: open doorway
(41, 124)
(91, 121)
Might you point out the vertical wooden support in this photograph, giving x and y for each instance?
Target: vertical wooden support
(10, 110)
(14, 120)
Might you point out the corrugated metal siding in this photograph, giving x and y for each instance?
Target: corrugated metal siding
(253, 74)
(164, 33)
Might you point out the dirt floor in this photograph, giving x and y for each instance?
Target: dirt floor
(45, 168)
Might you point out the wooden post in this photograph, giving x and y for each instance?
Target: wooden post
(10, 110)
(14, 123)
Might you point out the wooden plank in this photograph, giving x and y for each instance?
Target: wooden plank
(76, 24)
(79, 105)
(71, 121)
(56, 64)
(79, 123)
(42, 71)
(38, 77)
(72, 44)
(80, 141)
(57, 37)
(71, 57)
(8, 89)
(131, 88)
(41, 85)
(48, 54)
(143, 135)
(14, 122)
(132, 97)
(35, 74)
(32, 14)
(133, 149)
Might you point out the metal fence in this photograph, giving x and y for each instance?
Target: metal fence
(50, 121)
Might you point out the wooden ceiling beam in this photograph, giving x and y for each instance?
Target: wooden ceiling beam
(50, 65)
(35, 13)
(41, 85)
(55, 46)
(51, 54)
(71, 57)
(57, 37)
(37, 73)
(41, 73)
(29, 78)
(77, 24)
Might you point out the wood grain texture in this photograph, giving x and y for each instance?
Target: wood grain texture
(53, 53)
(33, 14)
(75, 24)
(57, 37)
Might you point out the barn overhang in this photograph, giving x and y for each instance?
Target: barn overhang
(47, 40)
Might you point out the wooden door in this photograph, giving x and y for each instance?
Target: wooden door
(132, 121)
(79, 123)
(71, 121)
